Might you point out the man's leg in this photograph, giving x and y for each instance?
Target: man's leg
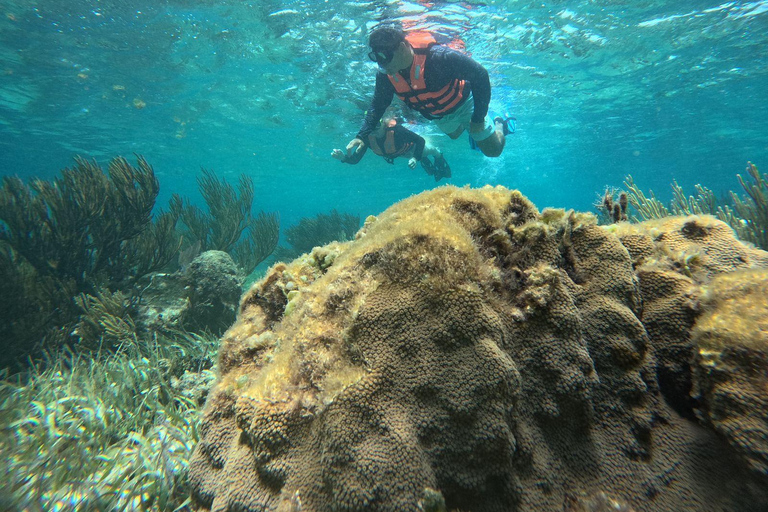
(456, 133)
(493, 145)
(430, 150)
(454, 124)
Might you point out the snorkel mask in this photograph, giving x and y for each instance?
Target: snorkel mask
(384, 42)
(382, 57)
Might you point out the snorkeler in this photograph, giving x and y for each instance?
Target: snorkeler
(391, 140)
(442, 84)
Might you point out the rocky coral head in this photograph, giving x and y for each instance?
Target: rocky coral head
(731, 338)
(464, 351)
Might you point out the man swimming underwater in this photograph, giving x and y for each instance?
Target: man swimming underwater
(442, 84)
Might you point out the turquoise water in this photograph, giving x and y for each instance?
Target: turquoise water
(664, 90)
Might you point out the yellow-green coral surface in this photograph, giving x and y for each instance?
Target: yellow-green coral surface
(731, 374)
(464, 352)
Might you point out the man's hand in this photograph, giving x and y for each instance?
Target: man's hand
(338, 154)
(412, 163)
(354, 146)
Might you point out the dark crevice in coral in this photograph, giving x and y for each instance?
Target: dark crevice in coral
(569, 263)
(519, 211)
(675, 383)
(339, 302)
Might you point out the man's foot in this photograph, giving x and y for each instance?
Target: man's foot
(428, 166)
(473, 143)
(443, 170)
(508, 124)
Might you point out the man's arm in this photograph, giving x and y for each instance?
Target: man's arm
(382, 98)
(355, 157)
(349, 159)
(449, 64)
(405, 135)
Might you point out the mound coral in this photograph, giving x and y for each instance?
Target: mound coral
(731, 371)
(467, 351)
(674, 257)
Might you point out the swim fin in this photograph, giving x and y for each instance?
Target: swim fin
(428, 166)
(443, 170)
(508, 123)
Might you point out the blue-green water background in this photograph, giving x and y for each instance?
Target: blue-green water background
(665, 90)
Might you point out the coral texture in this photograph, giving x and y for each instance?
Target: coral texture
(731, 374)
(468, 352)
(673, 257)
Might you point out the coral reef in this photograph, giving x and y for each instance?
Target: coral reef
(468, 352)
(104, 414)
(612, 206)
(81, 256)
(214, 287)
(751, 210)
(87, 225)
(747, 215)
(106, 322)
(228, 225)
(202, 296)
(673, 258)
(79, 233)
(315, 231)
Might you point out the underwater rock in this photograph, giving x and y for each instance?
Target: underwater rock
(203, 296)
(731, 370)
(214, 287)
(465, 351)
(194, 385)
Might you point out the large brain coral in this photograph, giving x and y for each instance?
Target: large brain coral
(467, 352)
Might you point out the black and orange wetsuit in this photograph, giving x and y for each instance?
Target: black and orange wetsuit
(438, 81)
(396, 142)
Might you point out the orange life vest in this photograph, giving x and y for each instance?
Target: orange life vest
(431, 104)
(389, 151)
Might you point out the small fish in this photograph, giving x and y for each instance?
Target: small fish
(284, 12)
